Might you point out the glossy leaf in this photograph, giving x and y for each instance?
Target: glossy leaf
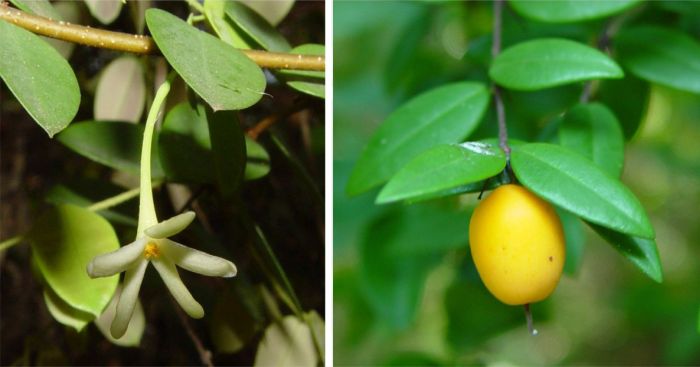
(575, 241)
(272, 11)
(309, 82)
(198, 58)
(39, 77)
(121, 91)
(113, 144)
(256, 27)
(228, 150)
(222, 25)
(661, 55)
(64, 240)
(106, 11)
(642, 252)
(575, 184)
(286, 342)
(443, 115)
(134, 332)
(64, 313)
(258, 161)
(565, 11)
(550, 62)
(593, 131)
(444, 167)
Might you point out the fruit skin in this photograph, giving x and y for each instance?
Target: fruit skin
(517, 243)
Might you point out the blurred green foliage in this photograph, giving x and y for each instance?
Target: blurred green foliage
(406, 291)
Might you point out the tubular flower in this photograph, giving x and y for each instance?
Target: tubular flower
(152, 245)
(164, 254)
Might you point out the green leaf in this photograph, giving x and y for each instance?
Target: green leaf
(137, 323)
(223, 25)
(442, 168)
(231, 325)
(309, 82)
(106, 11)
(256, 27)
(64, 240)
(287, 342)
(272, 11)
(39, 7)
(40, 78)
(185, 148)
(550, 62)
(698, 320)
(121, 91)
(443, 115)
(113, 144)
(628, 99)
(566, 11)
(593, 131)
(198, 58)
(228, 150)
(575, 241)
(661, 55)
(575, 184)
(64, 313)
(641, 252)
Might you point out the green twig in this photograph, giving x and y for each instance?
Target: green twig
(194, 4)
(4, 245)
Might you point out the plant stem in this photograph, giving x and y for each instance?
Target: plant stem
(147, 210)
(4, 245)
(194, 4)
(140, 44)
(495, 50)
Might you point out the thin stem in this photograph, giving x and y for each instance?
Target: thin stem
(528, 317)
(204, 353)
(194, 4)
(114, 200)
(147, 210)
(140, 44)
(495, 50)
(4, 245)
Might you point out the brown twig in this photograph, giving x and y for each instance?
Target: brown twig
(140, 44)
(204, 353)
(495, 50)
(261, 126)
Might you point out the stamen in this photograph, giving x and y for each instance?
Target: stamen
(151, 251)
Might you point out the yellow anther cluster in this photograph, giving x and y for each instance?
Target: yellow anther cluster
(151, 251)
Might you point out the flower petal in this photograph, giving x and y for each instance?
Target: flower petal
(116, 261)
(198, 261)
(128, 298)
(171, 226)
(172, 280)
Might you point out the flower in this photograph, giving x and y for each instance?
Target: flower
(152, 243)
(164, 254)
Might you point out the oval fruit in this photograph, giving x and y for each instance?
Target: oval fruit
(517, 243)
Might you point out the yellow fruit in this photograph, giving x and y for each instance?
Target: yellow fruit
(517, 244)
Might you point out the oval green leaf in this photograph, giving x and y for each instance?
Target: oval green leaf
(40, 78)
(222, 25)
(661, 55)
(628, 99)
(309, 82)
(121, 91)
(106, 11)
(111, 143)
(256, 27)
(566, 11)
(223, 76)
(39, 7)
(443, 115)
(444, 167)
(64, 240)
(642, 252)
(575, 240)
(64, 313)
(575, 184)
(550, 62)
(593, 131)
(272, 11)
(228, 150)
